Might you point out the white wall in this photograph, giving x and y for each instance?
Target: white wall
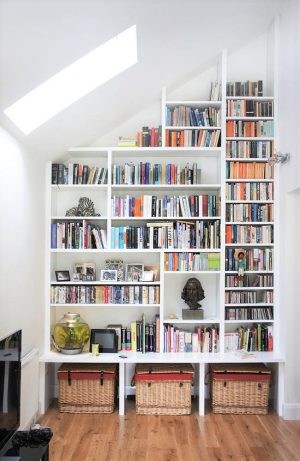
(22, 257)
(289, 103)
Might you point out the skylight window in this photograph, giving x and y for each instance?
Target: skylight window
(75, 81)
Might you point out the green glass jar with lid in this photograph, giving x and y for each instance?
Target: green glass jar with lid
(71, 333)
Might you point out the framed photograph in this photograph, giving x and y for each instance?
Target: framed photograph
(79, 270)
(106, 338)
(154, 270)
(62, 276)
(89, 272)
(134, 272)
(76, 277)
(147, 276)
(109, 275)
(84, 272)
(116, 264)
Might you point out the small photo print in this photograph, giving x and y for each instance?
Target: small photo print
(62, 276)
(109, 275)
(147, 276)
(84, 272)
(134, 272)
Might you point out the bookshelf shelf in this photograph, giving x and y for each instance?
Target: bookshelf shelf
(249, 244)
(194, 103)
(107, 305)
(249, 180)
(252, 223)
(101, 282)
(250, 305)
(242, 159)
(249, 138)
(165, 218)
(252, 98)
(241, 322)
(249, 201)
(62, 187)
(191, 272)
(191, 322)
(174, 128)
(189, 187)
(247, 288)
(250, 118)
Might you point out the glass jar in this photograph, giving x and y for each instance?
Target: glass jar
(71, 333)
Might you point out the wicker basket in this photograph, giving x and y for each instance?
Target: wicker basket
(163, 389)
(87, 388)
(240, 389)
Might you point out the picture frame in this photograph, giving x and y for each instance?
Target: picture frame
(155, 270)
(110, 275)
(62, 276)
(89, 273)
(147, 276)
(106, 338)
(84, 272)
(116, 264)
(134, 272)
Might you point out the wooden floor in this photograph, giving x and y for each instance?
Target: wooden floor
(167, 438)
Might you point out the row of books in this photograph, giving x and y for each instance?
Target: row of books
(249, 212)
(256, 259)
(249, 280)
(249, 108)
(141, 336)
(249, 313)
(240, 128)
(205, 339)
(193, 138)
(149, 173)
(173, 235)
(77, 173)
(249, 191)
(147, 206)
(77, 235)
(192, 116)
(238, 233)
(249, 149)
(102, 294)
(248, 88)
(188, 261)
(248, 297)
(215, 91)
(258, 338)
(149, 137)
(253, 170)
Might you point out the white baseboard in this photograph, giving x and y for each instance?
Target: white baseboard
(291, 411)
(31, 421)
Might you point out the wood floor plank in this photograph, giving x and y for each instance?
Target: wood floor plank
(102, 437)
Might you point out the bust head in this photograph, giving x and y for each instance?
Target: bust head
(192, 293)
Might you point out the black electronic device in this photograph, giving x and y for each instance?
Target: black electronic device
(10, 387)
(106, 338)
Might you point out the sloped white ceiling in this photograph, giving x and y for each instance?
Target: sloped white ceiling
(176, 39)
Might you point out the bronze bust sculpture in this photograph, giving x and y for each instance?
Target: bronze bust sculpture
(191, 294)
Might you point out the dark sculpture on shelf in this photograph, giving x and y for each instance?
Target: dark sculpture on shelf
(192, 293)
(85, 208)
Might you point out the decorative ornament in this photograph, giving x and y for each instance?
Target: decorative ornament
(85, 207)
(192, 293)
(240, 255)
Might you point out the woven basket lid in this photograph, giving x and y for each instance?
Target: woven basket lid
(240, 368)
(156, 368)
(88, 367)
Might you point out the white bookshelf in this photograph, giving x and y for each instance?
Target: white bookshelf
(212, 162)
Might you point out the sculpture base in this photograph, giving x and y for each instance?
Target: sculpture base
(189, 314)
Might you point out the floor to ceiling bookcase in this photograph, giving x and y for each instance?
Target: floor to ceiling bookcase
(212, 162)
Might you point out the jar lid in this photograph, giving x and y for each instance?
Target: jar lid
(72, 317)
